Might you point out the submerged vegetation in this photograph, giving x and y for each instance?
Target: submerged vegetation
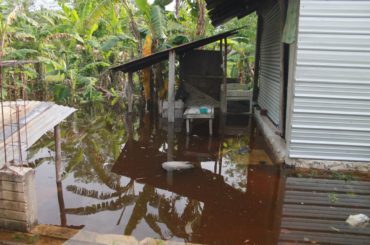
(78, 41)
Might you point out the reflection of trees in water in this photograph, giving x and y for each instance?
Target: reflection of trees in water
(235, 152)
(92, 141)
(149, 206)
(178, 224)
(125, 197)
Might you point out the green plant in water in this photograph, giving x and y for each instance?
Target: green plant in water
(25, 238)
(342, 176)
(333, 198)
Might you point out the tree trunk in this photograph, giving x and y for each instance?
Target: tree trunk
(133, 25)
(177, 8)
(201, 18)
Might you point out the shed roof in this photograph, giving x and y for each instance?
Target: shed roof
(147, 61)
(35, 119)
(220, 11)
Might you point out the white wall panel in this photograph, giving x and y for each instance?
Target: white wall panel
(331, 104)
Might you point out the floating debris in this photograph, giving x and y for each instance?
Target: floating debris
(177, 166)
(358, 220)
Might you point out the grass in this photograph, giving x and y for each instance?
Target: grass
(26, 238)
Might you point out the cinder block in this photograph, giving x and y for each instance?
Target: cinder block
(13, 215)
(11, 186)
(11, 205)
(18, 207)
(14, 225)
(12, 196)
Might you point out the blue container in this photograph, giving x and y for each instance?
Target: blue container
(203, 110)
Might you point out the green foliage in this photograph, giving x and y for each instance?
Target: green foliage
(346, 176)
(333, 198)
(80, 41)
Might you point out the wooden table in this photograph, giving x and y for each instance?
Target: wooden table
(193, 112)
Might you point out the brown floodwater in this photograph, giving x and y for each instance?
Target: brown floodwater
(113, 182)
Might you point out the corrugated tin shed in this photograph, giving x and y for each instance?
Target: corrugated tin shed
(35, 119)
(331, 107)
(147, 61)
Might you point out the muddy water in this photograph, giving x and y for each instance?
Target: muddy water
(113, 182)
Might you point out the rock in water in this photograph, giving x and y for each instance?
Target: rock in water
(358, 220)
(177, 166)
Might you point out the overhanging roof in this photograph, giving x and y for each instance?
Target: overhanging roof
(220, 11)
(35, 119)
(147, 61)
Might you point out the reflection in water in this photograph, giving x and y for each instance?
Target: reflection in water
(63, 217)
(113, 182)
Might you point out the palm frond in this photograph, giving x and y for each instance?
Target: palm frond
(12, 16)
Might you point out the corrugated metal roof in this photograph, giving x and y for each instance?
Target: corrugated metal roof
(40, 118)
(147, 61)
(220, 11)
(315, 210)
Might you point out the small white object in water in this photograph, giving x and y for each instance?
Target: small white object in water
(177, 166)
(358, 220)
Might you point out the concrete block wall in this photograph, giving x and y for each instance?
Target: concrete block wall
(18, 207)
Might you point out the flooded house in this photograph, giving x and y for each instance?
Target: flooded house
(312, 79)
(310, 101)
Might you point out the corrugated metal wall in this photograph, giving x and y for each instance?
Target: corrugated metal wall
(270, 62)
(331, 108)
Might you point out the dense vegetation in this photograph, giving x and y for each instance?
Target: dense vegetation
(78, 41)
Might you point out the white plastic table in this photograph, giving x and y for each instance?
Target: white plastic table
(193, 112)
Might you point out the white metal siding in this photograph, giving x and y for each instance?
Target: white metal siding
(270, 59)
(331, 114)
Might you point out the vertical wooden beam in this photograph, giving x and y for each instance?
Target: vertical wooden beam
(170, 141)
(170, 149)
(171, 86)
(225, 76)
(130, 92)
(62, 209)
(257, 59)
(222, 87)
(58, 154)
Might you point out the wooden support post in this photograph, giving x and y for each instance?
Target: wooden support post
(130, 92)
(170, 141)
(171, 86)
(225, 74)
(62, 209)
(58, 154)
(224, 55)
(257, 59)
